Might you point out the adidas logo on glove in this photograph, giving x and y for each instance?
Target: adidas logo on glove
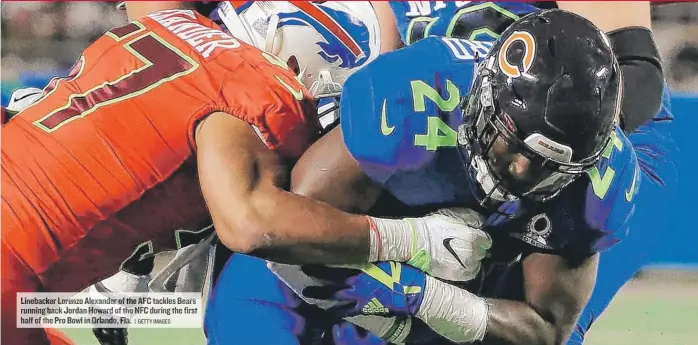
(374, 307)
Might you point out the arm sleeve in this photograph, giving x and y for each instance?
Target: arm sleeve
(643, 77)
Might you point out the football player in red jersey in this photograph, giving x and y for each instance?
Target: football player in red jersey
(168, 123)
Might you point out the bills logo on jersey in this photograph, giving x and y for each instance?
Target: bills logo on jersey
(345, 39)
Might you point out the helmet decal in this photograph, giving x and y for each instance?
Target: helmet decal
(328, 40)
(337, 27)
(529, 53)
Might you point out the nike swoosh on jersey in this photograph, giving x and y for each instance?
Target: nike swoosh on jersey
(631, 192)
(297, 94)
(385, 129)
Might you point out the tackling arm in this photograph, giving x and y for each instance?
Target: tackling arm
(243, 184)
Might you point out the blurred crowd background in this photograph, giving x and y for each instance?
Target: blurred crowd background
(41, 39)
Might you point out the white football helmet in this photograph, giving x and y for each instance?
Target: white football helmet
(323, 42)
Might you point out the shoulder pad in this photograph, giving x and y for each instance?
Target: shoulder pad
(387, 103)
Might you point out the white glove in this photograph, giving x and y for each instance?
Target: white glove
(455, 313)
(446, 244)
(22, 98)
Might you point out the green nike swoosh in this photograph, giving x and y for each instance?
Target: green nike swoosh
(631, 192)
(385, 129)
(297, 94)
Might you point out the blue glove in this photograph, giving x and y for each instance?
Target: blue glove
(384, 289)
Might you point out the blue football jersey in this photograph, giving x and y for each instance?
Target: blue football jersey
(400, 116)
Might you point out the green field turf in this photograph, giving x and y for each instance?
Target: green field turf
(651, 311)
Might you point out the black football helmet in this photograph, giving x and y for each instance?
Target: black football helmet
(541, 109)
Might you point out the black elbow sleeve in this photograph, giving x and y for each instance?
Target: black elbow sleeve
(643, 78)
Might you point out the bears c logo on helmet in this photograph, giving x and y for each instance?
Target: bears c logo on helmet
(515, 70)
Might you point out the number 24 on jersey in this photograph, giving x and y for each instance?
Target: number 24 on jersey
(438, 134)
